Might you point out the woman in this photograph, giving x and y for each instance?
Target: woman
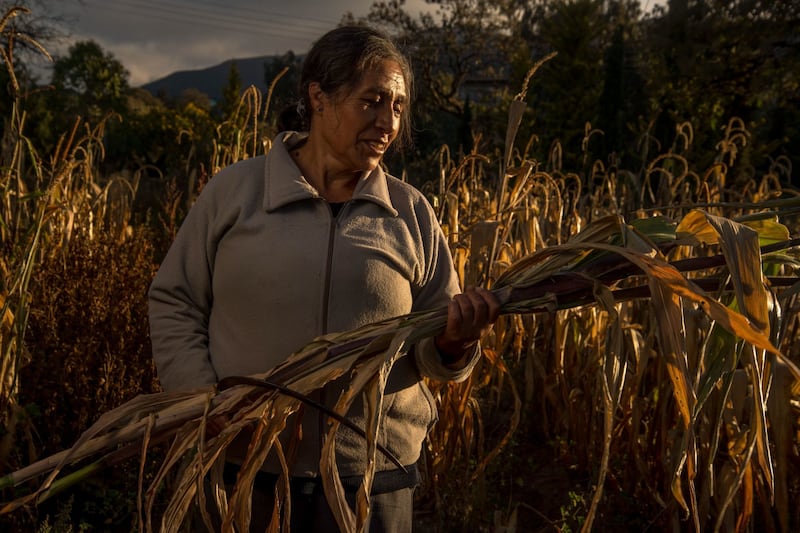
(315, 238)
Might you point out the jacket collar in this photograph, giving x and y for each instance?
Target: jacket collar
(284, 184)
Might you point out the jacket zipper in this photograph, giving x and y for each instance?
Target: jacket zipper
(328, 265)
(321, 418)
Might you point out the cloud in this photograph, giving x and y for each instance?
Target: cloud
(153, 38)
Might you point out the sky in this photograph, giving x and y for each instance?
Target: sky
(154, 38)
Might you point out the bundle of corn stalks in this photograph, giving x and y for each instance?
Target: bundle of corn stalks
(610, 261)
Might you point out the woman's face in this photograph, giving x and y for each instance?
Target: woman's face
(359, 126)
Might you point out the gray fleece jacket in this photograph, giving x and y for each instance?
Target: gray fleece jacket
(261, 266)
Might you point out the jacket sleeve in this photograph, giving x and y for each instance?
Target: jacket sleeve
(430, 364)
(180, 299)
(440, 285)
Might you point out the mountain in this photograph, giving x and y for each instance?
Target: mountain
(211, 80)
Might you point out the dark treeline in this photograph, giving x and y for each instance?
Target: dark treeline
(622, 83)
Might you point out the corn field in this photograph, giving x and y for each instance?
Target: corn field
(643, 374)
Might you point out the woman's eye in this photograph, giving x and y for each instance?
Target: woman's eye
(397, 107)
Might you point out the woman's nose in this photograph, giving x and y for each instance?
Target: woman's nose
(385, 118)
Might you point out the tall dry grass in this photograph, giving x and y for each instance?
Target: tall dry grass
(73, 275)
(633, 380)
(690, 426)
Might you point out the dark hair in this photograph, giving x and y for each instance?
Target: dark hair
(339, 59)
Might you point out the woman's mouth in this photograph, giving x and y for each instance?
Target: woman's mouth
(377, 146)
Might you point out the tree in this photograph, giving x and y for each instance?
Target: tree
(231, 93)
(194, 98)
(622, 103)
(94, 81)
(30, 28)
(715, 60)
(286, 90)
(568, 88)
(16, 79)
(87, 84)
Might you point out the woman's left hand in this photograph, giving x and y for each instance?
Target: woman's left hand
(470, 316)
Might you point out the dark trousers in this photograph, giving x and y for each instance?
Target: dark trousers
(390, 512)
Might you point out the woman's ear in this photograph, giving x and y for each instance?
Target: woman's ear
(316, 96)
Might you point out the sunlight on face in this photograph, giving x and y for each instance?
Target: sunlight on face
(364, 122)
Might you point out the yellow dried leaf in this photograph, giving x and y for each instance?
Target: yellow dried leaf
(769, 230)
(695, 227)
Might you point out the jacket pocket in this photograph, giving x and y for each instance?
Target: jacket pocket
(426, 392)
